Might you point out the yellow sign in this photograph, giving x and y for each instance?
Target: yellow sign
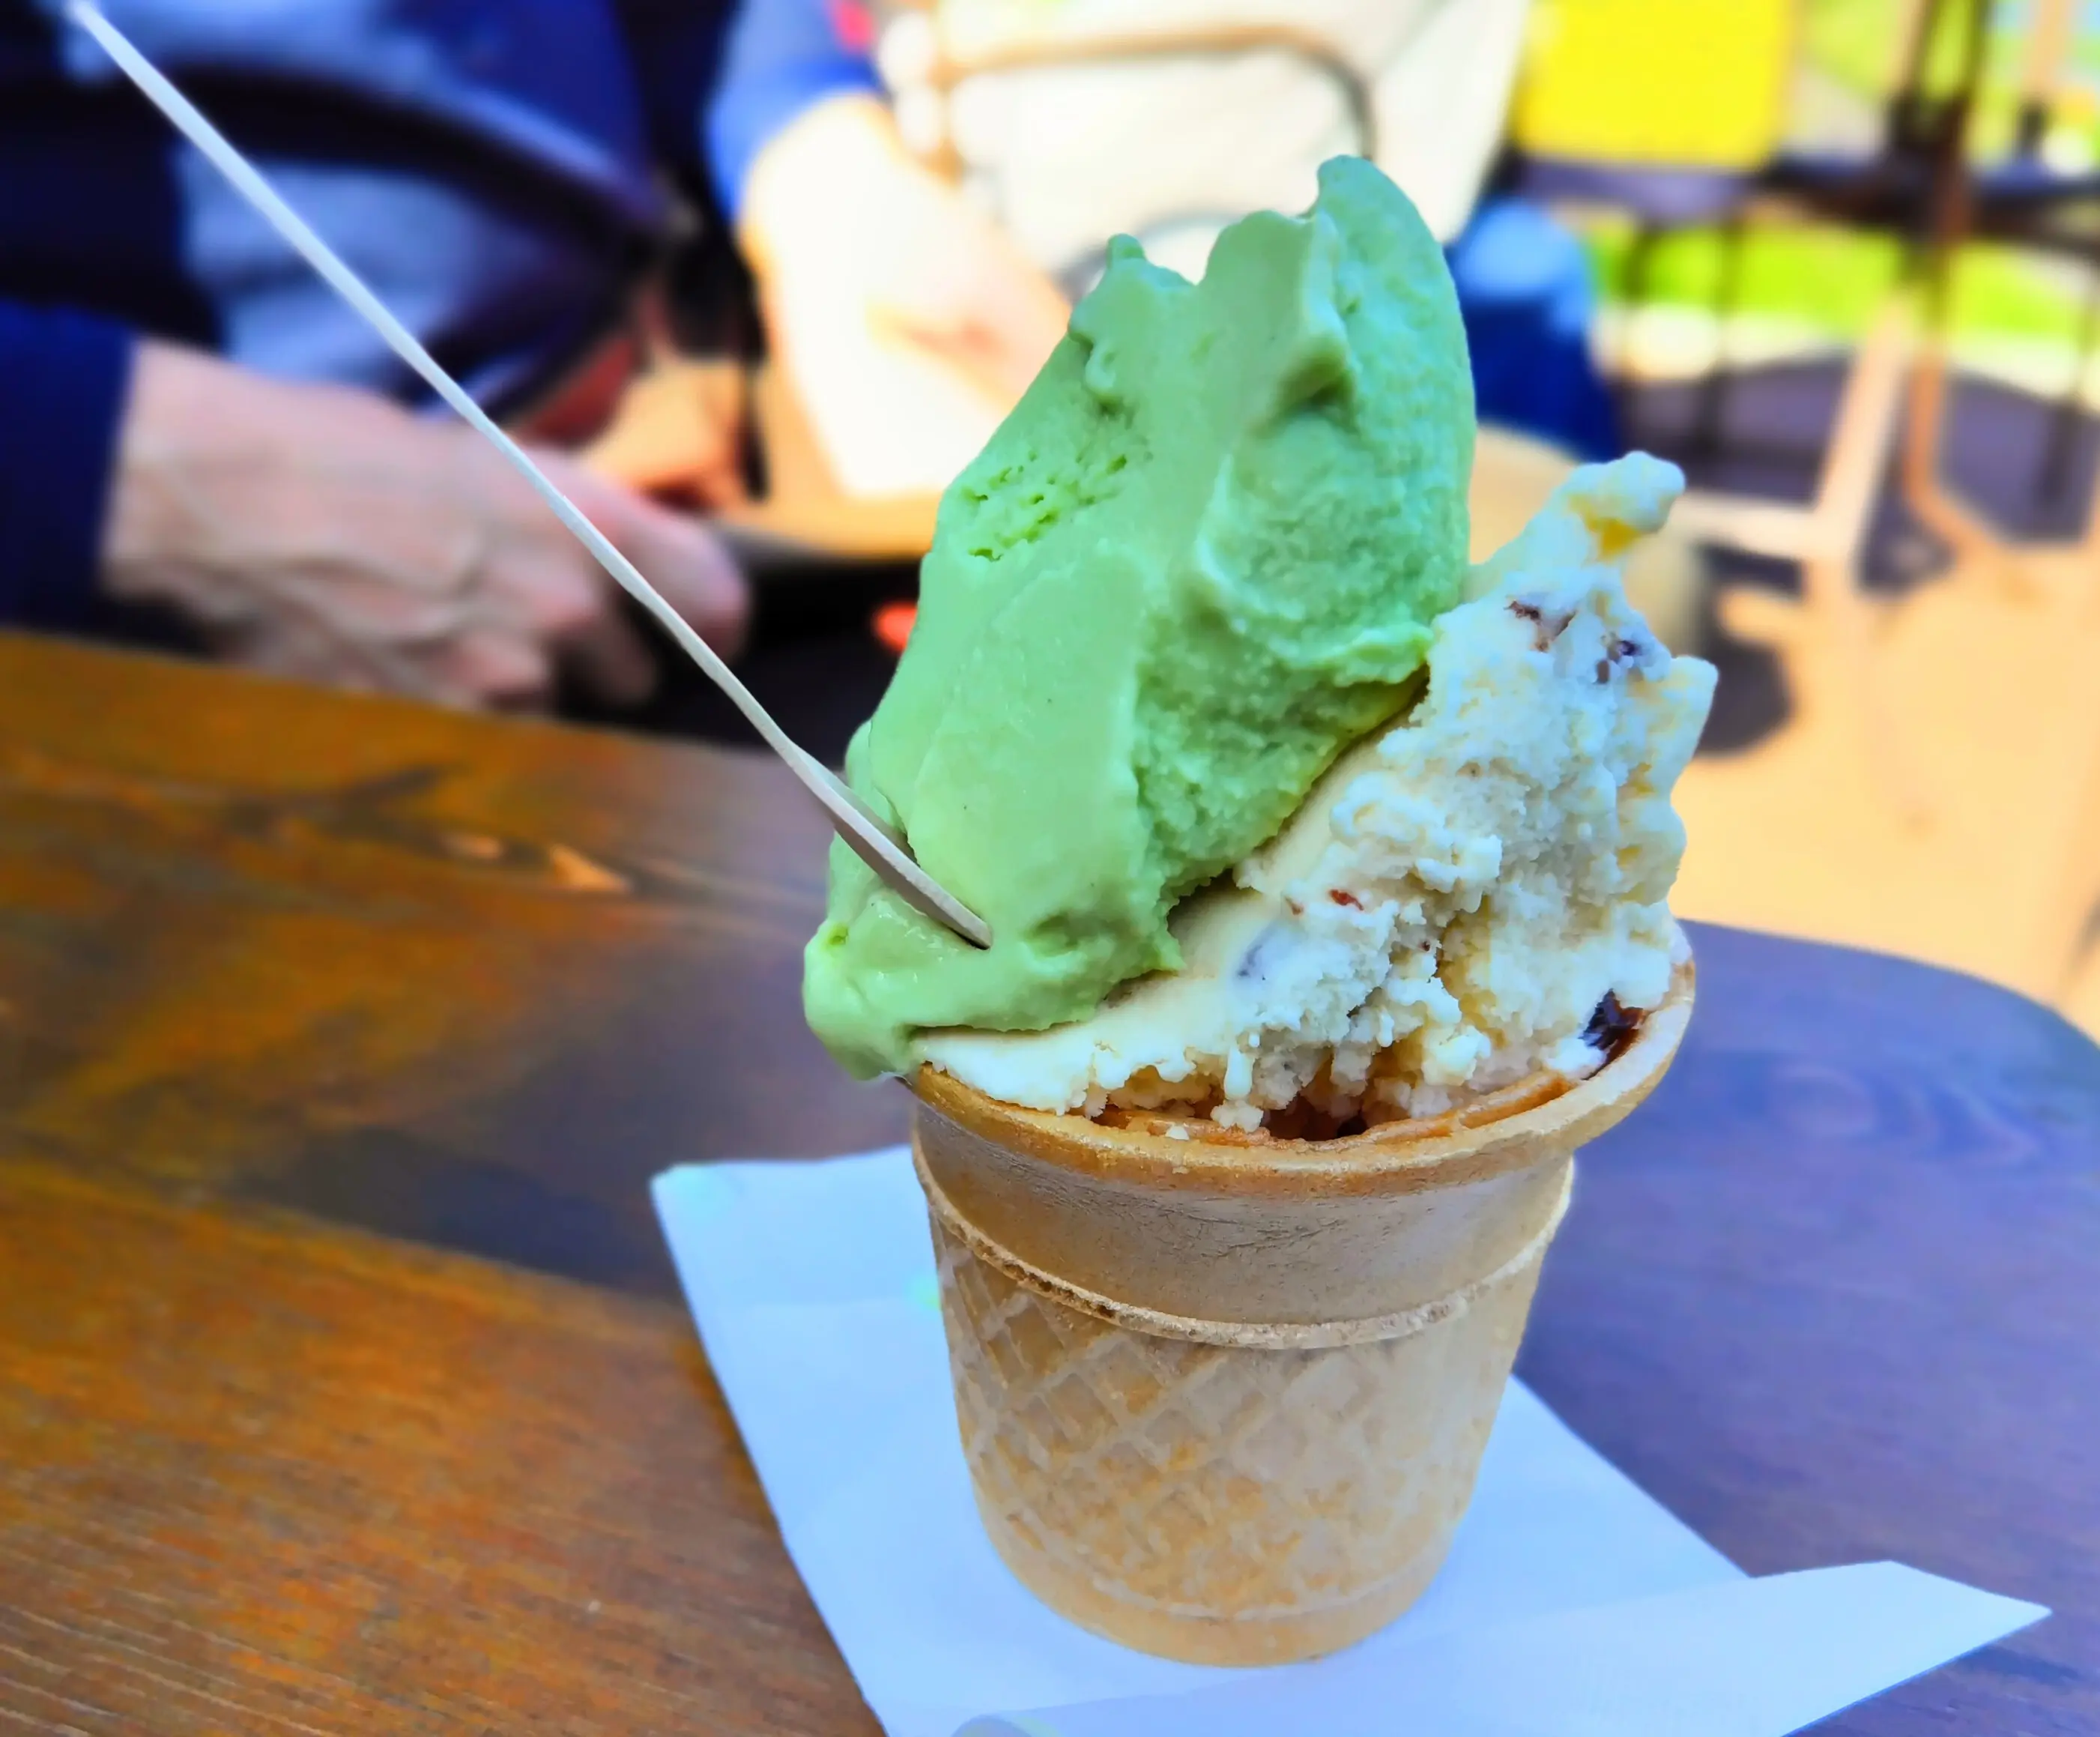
(1699, 83)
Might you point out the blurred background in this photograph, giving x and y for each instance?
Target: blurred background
(1839, 258)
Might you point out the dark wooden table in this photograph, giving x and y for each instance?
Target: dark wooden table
(343, 1387)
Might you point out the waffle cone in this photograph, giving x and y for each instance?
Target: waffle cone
(1226, 1401)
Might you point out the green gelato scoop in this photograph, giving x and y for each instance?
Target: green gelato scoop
(1200, 558)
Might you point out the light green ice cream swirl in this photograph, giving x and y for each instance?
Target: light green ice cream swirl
(1201, 557)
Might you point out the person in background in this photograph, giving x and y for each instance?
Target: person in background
(1077, 120)
(189, 421)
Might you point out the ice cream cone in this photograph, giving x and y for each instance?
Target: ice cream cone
(1225, 1400)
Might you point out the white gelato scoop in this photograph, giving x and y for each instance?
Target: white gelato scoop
(1478, 892)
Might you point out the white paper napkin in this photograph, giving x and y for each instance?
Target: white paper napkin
(1571, 1602)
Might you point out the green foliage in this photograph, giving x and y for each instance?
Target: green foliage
(1832, 280)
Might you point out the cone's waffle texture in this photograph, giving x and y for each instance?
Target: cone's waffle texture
(1228, 1404)
(1221, 1503)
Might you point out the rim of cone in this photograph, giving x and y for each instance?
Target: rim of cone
(1502, 1131)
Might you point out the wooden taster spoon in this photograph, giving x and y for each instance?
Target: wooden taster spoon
(874, 842)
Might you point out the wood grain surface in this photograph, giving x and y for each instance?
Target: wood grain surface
(342, 1384)
(266, 1478)
(463, 980)
(1831, 1295)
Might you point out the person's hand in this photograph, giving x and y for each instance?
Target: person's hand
(840, 222)
(678, 435)
(324, 532)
